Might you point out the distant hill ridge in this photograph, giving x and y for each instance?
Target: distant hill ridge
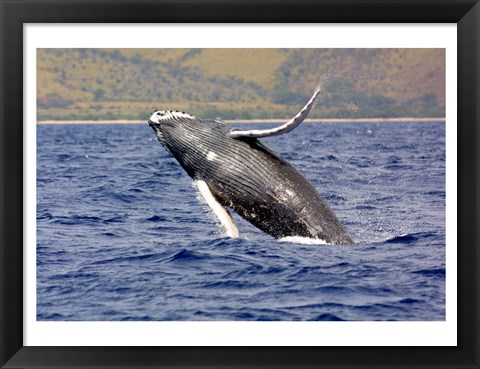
(239, 83)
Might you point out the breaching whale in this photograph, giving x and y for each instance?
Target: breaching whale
(233, 169)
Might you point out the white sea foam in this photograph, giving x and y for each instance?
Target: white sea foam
(303, 240)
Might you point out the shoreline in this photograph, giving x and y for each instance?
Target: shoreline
(245, 121)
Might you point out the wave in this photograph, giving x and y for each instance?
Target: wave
(127, 259)
(83, 219)
(157, 218)
(435, 272)
(186, 255)
(409, 301)
(231, 284)
(409, 237)
(327, 317)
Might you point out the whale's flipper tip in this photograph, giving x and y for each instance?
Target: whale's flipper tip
(287, 127)
(222, 214)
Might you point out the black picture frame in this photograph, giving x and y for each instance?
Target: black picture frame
(14, 13)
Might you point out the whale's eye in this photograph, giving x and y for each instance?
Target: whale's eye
(160, 114)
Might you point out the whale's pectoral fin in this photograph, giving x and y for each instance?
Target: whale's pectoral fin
(220, 212)
(287, 127)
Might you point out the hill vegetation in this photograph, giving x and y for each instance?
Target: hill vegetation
(239, 83)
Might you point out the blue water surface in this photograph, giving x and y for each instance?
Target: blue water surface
(122, 235)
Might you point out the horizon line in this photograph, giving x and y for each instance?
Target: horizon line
(244, 121)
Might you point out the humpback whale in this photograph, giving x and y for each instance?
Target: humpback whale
(234, 169)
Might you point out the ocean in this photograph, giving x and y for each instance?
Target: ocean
(123, 235)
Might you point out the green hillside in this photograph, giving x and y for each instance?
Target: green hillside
(239, 83)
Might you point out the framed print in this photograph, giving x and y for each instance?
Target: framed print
(111, 256)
